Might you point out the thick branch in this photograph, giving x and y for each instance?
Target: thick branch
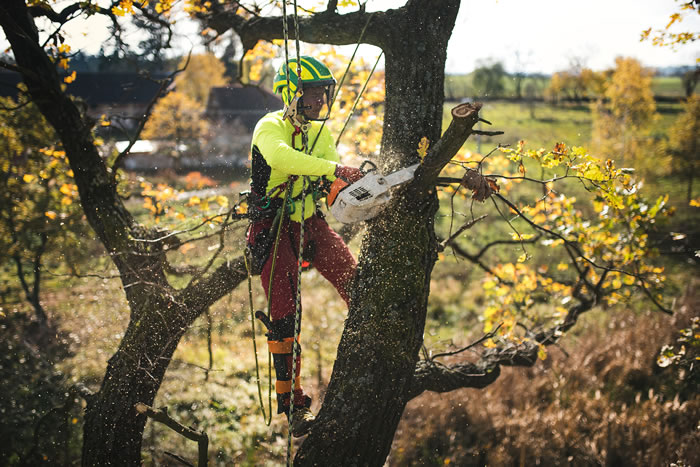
(202, 294)
(327, 27)
(50, 13)
(432, 376)
(464, 117)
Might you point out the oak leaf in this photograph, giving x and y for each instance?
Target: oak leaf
(481, 187)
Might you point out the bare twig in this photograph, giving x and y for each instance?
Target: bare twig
(483, 338)
(161, 415)
(146, 114)
(468, 225)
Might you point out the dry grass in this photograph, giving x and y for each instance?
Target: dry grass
(602, 402)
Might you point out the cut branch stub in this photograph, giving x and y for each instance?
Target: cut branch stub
(464, 117)
(466, 109)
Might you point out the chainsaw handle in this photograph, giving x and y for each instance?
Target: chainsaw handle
(370, 163)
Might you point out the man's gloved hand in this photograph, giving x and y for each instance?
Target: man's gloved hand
(348, 174)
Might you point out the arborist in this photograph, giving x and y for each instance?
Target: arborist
(294, 161)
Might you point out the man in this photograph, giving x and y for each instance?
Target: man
(292, 147)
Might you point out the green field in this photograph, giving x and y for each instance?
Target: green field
(458, 87)
(542, 124)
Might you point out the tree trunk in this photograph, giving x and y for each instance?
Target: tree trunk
(383, 334)
(113, 429)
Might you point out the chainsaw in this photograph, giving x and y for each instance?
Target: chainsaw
(365, 199)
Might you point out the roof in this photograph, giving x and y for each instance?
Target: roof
(97, 88)
(245, 103)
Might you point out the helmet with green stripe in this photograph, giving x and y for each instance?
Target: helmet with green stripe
(313, 74)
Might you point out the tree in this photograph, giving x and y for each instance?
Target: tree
(202, 72)
(690, 80)
(488, 78)
(378, 369)
(178, 116)
(37, 210)
(684, 143)
(621, 128)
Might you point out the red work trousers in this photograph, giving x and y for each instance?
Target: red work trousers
(331, 258)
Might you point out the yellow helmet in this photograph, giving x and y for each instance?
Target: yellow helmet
(313, 73)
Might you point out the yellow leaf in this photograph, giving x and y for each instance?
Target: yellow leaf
(28, 178)
(70, 78)
(242, 208)
(695, 202)
(423, 148)
(522, 258)
(562, 266)
(542, 352)
(50, 214)
(66, 201)
(194, 201)
(66, 189)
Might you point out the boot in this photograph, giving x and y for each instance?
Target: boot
(302, 421)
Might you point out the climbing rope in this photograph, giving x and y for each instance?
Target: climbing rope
(342, 80)
(277, 226)
(266, 417)
(357, 99)
(297, 319)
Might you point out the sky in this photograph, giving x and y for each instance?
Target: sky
(548, 34)
(531, 36)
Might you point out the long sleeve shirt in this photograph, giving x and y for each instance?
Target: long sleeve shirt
(272, 139)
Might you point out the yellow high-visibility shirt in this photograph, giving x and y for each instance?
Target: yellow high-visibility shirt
(274, 159)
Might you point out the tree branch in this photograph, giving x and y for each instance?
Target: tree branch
(432, 376)
(464, 117)
(326, 27)
(161, 415)
(199, 296)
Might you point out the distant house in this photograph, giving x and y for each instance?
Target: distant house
(121, 95)
(244, 104)
(233, 112)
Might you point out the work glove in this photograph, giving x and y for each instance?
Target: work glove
(348, 174)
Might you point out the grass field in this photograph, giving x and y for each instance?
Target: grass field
(542, 124)
(458, 87)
